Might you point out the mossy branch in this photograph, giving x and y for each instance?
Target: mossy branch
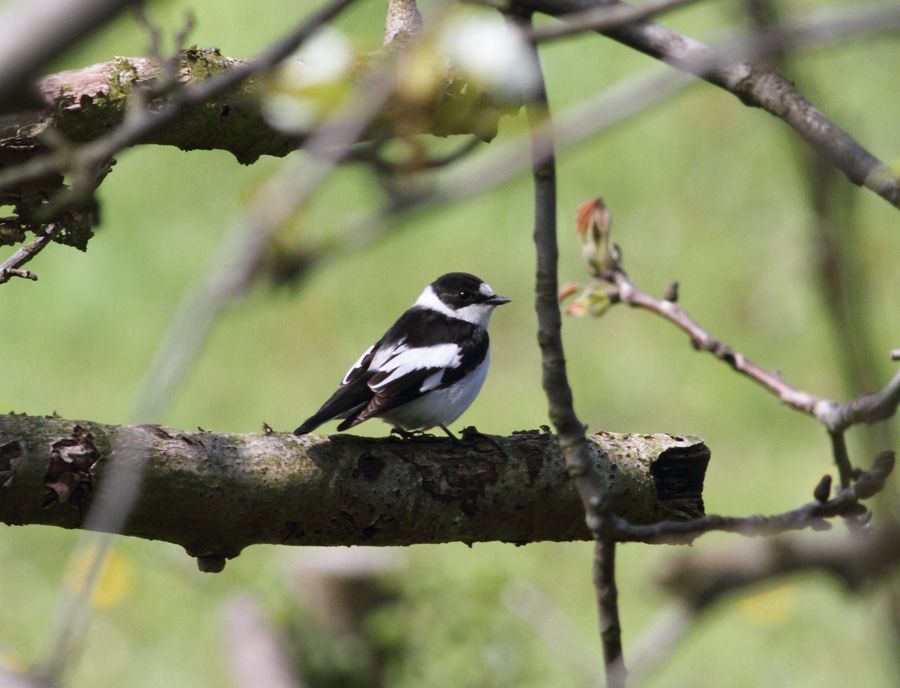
(215, 494)
(83, 104)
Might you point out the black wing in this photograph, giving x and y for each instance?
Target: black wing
(352, 395)
(357, 401)
(391, 391)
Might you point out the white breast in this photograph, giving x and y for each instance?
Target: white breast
(440, 406)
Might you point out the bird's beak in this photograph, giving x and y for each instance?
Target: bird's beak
(497, 300)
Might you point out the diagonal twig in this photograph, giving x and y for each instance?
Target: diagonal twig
(755, 85)
(604, 17)
(836, 417)
(12, 266)
(614, 286)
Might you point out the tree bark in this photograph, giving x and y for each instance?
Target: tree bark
(215, 494)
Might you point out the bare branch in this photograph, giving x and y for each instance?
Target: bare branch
(604, 17)
(506, 160)
(836, 417)
(593, 486)
(608, 600)
(754, 85)
(402, 22)
(613, 286)
(846, 503)
(139, 126)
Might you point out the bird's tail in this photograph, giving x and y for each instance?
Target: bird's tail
(326, 413)
(311, 424)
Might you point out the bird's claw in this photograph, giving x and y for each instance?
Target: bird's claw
(411, 434)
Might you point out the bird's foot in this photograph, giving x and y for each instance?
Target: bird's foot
(411, 434)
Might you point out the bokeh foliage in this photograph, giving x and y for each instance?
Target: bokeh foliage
(702, 189)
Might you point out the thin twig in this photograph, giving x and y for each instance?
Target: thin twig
(612, 286)
(836, 417)
(604, 17)
(11, 267)
(608, 600)
(592, 486)
(846, 503)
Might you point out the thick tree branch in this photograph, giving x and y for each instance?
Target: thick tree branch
(83, 104)
(216, 494)
(35, 188)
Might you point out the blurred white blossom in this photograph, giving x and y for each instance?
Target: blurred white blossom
(490, 51)
(308, 84)
(326, 56)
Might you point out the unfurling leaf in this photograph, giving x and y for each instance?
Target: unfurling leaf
(593, 222)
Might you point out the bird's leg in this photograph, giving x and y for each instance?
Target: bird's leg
(453, 438)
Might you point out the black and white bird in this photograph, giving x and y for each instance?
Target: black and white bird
(428, 367)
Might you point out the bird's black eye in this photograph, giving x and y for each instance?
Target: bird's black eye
(463, 294)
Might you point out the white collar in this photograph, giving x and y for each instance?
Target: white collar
(477, 314)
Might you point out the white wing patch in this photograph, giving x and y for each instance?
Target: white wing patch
(357, 365)
(405, 360)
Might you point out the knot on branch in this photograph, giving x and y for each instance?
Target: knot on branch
(68, 476)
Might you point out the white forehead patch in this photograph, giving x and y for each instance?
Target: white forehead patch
(485, 289)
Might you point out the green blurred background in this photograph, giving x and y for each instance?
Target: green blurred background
(702, 189)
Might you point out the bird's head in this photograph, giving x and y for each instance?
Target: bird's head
(461, 295)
